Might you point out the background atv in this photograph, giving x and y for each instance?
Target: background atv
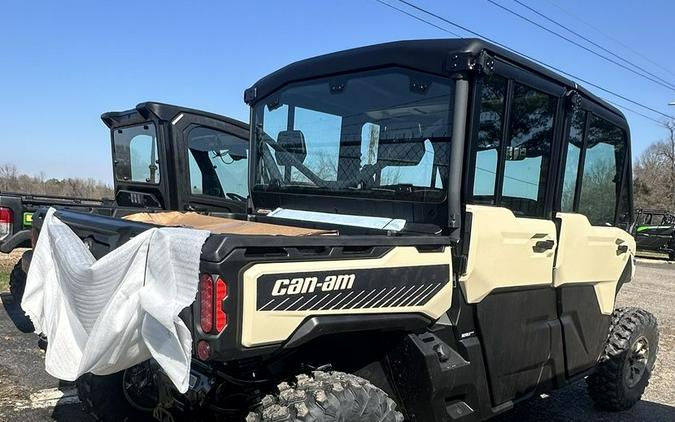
(655, 232)
(149, 141)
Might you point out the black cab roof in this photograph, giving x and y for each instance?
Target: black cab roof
(430, 55)
(162, 111)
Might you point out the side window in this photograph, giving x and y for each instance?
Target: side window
(492, 100)
(602, 168)
(529, 150)
(574, 146)
(218, 163)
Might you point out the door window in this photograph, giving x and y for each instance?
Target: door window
(602, 170)
(489, 140)
(574, 145)
(218, 164)
(528, 152)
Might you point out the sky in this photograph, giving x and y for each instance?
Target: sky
(64, 63)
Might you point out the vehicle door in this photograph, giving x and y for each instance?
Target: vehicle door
(213, 164)
(512, 236)
(594, 254)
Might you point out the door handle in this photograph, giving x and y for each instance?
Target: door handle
(543, 246)
(621, 249)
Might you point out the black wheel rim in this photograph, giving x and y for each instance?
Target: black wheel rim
(636, 362)
(139, 388)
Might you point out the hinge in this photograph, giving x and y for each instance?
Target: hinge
(573, 99)
(482, 63)
(250, 94)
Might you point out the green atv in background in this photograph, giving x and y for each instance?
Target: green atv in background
(655, 232)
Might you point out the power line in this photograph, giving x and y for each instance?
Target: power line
(632, 111)
(588, 40)
(571, 41)
(606, 35)
(418, 18)
(456, 25)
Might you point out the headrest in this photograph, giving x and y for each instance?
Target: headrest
(400, 147)
(292, 143)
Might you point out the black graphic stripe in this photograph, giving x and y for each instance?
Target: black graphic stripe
(356, 289)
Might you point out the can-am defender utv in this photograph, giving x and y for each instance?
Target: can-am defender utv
(476, 205)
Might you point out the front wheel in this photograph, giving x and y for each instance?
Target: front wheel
(627, 362)
(327, 396)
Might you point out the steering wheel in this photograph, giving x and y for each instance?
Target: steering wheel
(235, 196)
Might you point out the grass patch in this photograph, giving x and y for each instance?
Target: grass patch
(4, 281)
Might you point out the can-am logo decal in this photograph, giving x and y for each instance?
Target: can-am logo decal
(302, 285)
(389, 287)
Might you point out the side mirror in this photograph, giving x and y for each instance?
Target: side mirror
(292, 148)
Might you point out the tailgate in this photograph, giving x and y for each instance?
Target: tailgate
(275, 291)
(278, 297)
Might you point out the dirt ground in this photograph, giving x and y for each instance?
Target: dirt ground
(27, 393)
(7, 262)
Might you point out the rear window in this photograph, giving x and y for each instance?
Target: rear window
(136, 155)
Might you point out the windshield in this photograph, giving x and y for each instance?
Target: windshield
(382, 134)
(135, 150)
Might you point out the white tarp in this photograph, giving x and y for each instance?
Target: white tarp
(108, 315)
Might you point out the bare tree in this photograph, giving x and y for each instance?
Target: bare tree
(654, 172)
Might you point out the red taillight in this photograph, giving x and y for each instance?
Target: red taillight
(206, 302)
(221, 295)
(6, 219)
(211, 303)
(203, 350)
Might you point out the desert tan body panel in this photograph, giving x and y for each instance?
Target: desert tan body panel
(260, 327)
(589, 255)
(501, 252)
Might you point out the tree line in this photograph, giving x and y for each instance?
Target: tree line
(12, 180)
(654, 173)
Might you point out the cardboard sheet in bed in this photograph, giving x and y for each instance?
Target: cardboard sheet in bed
(220, 224)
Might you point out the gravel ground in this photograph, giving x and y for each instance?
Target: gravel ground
(7, 262)
(27, 393)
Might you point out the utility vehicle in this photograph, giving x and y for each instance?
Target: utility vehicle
(165, 157)
(655, 231)
(481, 204)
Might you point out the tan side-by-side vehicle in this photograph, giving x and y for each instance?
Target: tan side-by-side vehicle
(446, 228)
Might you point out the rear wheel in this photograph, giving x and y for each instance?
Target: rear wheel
(129, 395)
(627, 362)
(327, 396)
(17, 287)
(17, 282)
